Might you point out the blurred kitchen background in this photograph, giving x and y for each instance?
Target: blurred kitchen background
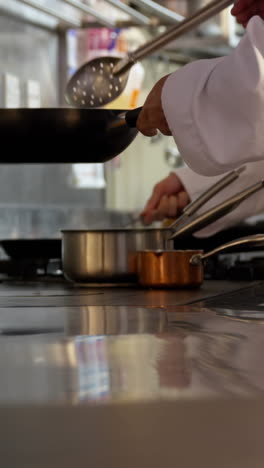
(42, 42)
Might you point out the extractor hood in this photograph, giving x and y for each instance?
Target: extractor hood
(212, 38)
(55, 14)
(110, 13)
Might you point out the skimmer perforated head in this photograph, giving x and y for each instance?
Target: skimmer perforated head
(94, 84)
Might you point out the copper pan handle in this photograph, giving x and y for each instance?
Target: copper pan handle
(256, 240)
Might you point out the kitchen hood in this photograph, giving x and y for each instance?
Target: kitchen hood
(212, 38)
(63, 14)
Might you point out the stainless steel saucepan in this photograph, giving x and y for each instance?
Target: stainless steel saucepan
(106, 255)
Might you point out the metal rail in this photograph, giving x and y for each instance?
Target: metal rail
(160, 11)
(50, 11)
(84, 8)
(136, 15)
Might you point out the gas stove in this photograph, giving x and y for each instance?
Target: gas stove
(240, 266)
(27, 268)
(237, 267)
(243, 265)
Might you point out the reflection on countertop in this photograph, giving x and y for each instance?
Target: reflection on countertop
(95, 354)
(111, 376)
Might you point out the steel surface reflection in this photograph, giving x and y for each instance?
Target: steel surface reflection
(201, 357)
(86, 320)
(130, 367)
(113, 320)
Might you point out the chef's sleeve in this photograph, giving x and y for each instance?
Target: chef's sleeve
(215, 107)
(196, 184)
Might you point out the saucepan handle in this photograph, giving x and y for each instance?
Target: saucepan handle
(214, 189)
(256, 240)
(132, 116)
(213, 214)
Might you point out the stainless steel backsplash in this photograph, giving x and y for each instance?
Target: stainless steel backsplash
(30, 52)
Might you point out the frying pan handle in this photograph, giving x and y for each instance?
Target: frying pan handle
(253, 241)
(132, 116)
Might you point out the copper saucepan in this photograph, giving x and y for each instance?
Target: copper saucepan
(182, 268)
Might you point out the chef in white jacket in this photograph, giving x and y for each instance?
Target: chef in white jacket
(214, 109)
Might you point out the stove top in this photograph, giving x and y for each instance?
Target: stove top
(233, 266)
(30, 268)
(23, 261)
(245, 304)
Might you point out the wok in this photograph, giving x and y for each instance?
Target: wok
(50, 135)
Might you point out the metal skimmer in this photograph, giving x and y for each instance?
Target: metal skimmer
(94, 84)
(103, 79)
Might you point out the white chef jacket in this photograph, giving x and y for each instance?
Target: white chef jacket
(215, 107)
(195, 184)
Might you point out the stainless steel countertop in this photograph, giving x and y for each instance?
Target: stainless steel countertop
(93, 367)
(63, 344)
(61, 293)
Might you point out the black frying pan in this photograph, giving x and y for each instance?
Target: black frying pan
(49, 135)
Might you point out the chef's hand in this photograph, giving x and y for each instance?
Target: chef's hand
(168, 199)
(245, 9)
(152, 117)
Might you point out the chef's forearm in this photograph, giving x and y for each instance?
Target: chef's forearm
(215, 108)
